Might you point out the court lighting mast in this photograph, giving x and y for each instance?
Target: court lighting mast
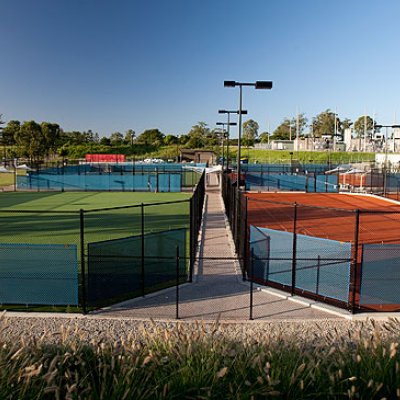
(223, 136)
(257, 85)
(229, 124)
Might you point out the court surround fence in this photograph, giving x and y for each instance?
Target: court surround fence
(356, 271)
(108, 255)
(110, 177)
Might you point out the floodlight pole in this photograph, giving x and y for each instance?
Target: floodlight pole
(257, 85)
(223, 137)
(376, 126)
(229, 125)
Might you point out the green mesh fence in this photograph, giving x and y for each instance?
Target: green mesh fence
(322, 266)
(34, 274)
(48, 248)
(380, 275)
(129, 267)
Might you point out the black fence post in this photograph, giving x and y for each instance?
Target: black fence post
(294, 248)
(177, 283)
(318, 271)
(157, 182)
(251, 282)
(354, 271)
(83, 269)
(315, 182)
(143, 250)
(245, 255)
(192, 234)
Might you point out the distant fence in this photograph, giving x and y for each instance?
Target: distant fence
(311, 182)
(104, 255)
(293, 168)
(110, 177)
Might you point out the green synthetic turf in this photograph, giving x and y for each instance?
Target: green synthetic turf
(36, 227)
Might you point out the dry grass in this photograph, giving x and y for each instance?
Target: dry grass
(329, 359)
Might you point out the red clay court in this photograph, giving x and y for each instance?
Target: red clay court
(327, 215)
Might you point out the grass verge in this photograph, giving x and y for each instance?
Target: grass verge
(200, 361)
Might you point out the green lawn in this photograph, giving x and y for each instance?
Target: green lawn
(6, 179)
(307, 157)
(53, 227)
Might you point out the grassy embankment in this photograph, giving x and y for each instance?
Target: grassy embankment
(317, 157)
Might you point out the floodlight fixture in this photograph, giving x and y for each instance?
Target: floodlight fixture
(244, 112)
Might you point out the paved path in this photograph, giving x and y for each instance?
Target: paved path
(218, 290)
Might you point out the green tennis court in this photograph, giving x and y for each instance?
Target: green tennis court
(53, 218)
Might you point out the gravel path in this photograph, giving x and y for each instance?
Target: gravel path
(56, 329)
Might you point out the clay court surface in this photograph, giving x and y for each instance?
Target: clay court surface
(326, 215)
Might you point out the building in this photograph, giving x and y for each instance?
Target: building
(198, 156)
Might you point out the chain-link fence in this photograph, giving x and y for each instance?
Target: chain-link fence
(109, 177)
(345, 257)
(80, 260)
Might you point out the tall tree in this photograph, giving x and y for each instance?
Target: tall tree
(198, 135)
(116, 139)
(130, 136)
(301, 121)
(151, 137)
(264, 137)
(31, 141)
(51, 133)
(282, 132)
(170, 140)
(324, 123)
(9, 132)
(250, 132)
(288, 128)
(363, 124)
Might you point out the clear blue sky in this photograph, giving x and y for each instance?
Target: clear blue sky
(113, 65)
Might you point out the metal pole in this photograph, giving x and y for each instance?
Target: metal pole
(82, 249)
(294, 250)
(385, 168)
(193, 232)
(238, 164)
(251, 283)
(318, 271)
(143, 250)
(177, 283)
(245, 255)
(223, 150)
(355, 261)
(227, 144)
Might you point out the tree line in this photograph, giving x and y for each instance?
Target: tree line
(38, 141)
(321, 124)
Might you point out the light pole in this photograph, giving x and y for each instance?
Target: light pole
(376, 126)
(257, 85)
(229, 112)
(3, 141)
(228, 124)
(133, 133)
(223, 136)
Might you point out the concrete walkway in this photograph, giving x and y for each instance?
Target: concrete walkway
(218, 290)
